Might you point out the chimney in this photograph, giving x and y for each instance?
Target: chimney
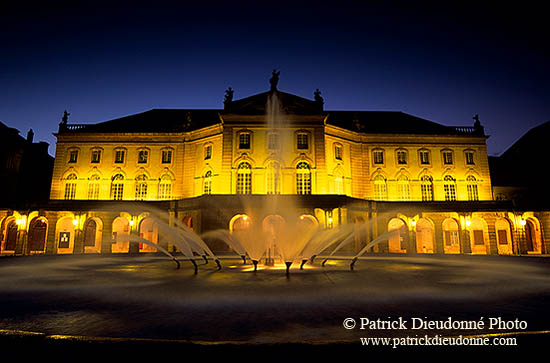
(30, 136)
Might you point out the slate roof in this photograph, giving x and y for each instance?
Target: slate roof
(179, 120)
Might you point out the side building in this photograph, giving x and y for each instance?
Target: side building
(216, 168)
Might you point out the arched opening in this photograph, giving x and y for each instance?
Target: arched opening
(449, 186)
(398, 241)
(273, 228)
(65, 235)
(504, 237)
(11, 236)
(148, 229)
(244, 178)
(188, 221)
(427, 187)
(92, 236)
(424, 236)
(532, 236)
(477, 236)
(380, 188)
(360, 231)
(451, 240)
(121, 231)
(207, 183)
(239, 223)
(403, 188)
(339, 181)
(165, 187)
(37, 235)
(141, 187)
(117, 187)
(303, 178)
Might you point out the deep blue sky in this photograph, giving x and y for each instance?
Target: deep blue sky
(101, 61)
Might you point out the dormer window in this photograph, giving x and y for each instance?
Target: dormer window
(378, 157)
(338, 151)
(208, 152)
(469, 155)
(273, 141)
(401, 157)
(447, 157)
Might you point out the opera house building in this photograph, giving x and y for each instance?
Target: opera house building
(218, 169)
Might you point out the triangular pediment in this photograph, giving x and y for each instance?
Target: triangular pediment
(289, 104)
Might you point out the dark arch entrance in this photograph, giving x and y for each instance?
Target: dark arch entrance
(530, 236)
(11, 236)
(89, 233)
(37, 235)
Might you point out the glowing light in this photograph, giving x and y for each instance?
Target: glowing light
(413, 223)
(18, 221)
(132, 222)
(245, 218)
(75, 222)
(330, 219)
(468, 223)
(523, 222)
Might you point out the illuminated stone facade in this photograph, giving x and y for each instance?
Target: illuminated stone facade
(392, 169)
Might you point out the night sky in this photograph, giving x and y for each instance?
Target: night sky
(103, 60)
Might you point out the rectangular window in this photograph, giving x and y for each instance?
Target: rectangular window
(244, 141)
(273, 142)
(470, 158)
(208, 152)
(96, 156)
(447, 157)
(478, 237)
(502, 237)
(302, 142)
(166, 156)
(244, 183)
(378, 157)
(401, 157)
(424, 157)
(141, 191)
(143, 156)
(73, 156)
(338, 152)
(119, 156)
(451, 238)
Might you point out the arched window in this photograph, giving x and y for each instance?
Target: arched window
(93, 187)
(70, 186)
(449, 185)
(244, 178)
(117, 187)
(380, 188)
(207, 183)
(403, 188)
(427, 188)
(273, 182)
(338, 182)
(472, 188)
(165, 187)
(303, 178)
(451, 242)
(141, 187)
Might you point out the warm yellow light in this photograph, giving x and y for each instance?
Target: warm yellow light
(523, 222)
(468, 223)
(132, 222)
(18, 221)
(413, 223)
(75, 222)
(245, 218)
(329, 219)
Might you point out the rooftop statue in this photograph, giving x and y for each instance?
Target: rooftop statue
(65, 117)
(274, 80)
(228, 97)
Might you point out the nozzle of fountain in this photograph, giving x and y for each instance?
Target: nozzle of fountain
(353, 263)
(219, 264)
(205, 259)
(325, 261)
(303, 263)
(196, 267)
(177, 263)
(312, 258)
(244, 259)
(255, 262)
(288, 267)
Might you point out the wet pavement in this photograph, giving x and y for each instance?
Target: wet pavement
(144, 299)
